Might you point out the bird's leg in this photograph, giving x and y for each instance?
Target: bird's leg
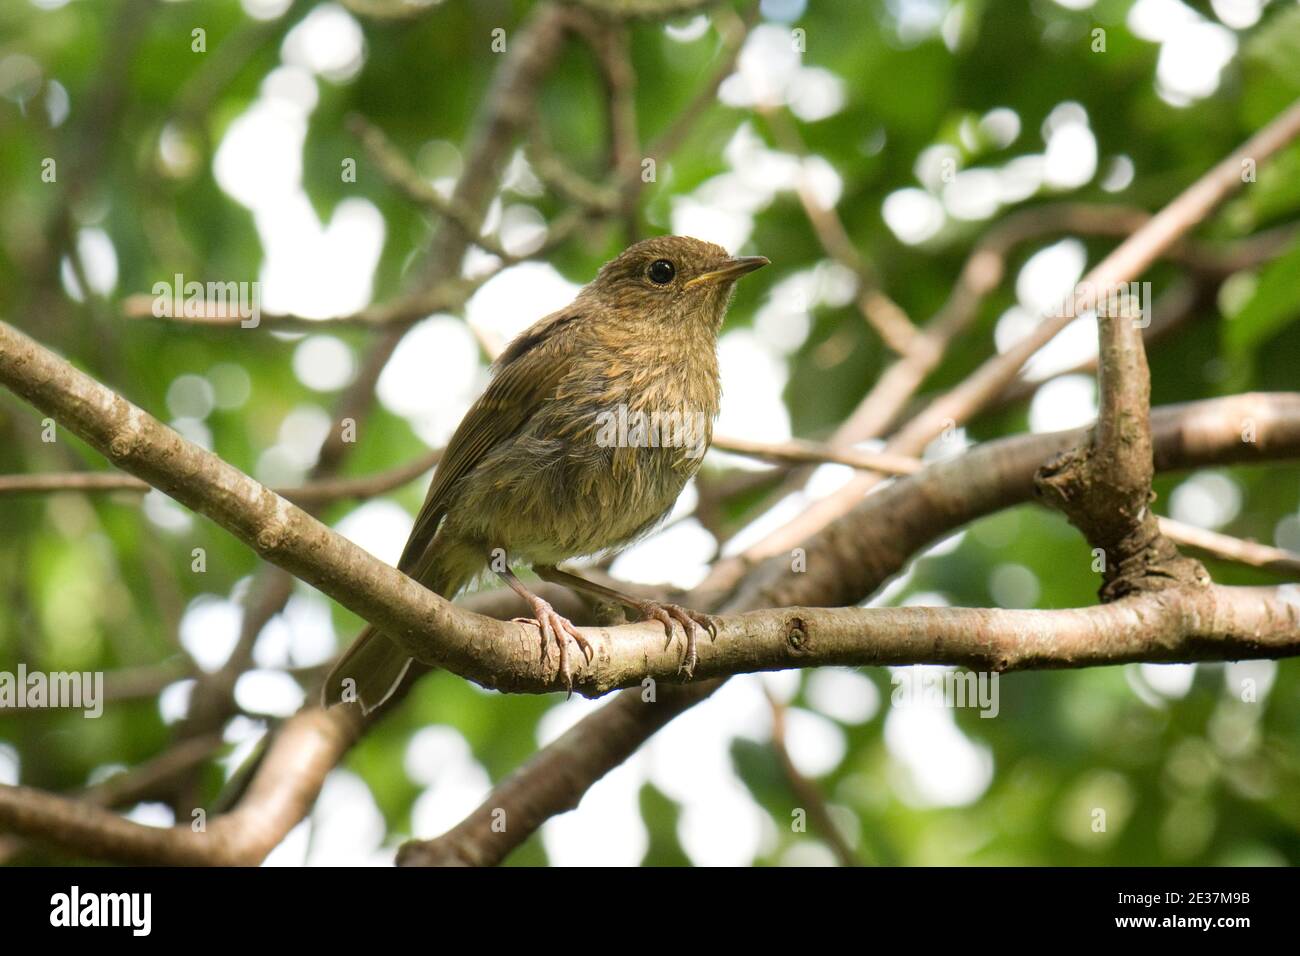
(553, 625)
(666, 614)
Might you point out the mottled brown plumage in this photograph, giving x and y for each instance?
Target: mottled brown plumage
(531, 476)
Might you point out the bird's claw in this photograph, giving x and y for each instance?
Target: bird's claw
(667, 614)
(556, 627)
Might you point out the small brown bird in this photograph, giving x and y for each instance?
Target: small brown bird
(594, 420)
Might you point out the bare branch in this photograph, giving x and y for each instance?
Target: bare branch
(983, 386)
(985, 269)
(138, 783)
(313, 492)
(444, 296)
(812, 801)
(398, 171)
(1128, 261)
(1228, 548)
(1104, 485)
(494, 653)
(734, 29)
(845, 563)
(1176, 306)
(881, 312)
(282, 792)
(1172, 625)
(806, 453)
(1233, 623)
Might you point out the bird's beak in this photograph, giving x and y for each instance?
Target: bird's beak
(730, 270)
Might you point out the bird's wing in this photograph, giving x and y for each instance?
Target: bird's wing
(524, 377)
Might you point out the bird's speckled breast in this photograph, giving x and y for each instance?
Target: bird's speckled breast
(592, 481)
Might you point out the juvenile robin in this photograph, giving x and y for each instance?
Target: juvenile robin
(593, 421)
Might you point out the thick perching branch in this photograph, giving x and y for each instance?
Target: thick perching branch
(1174, 621)
(1218, 623)
(493, 653)
(846, 562)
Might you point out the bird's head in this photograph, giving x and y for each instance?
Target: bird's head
(672, 280)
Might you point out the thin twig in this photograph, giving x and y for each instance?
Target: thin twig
(315, 492)
(803, 452)
(1124, 264)
(1227, 548)
(808, 793)
(882, 313)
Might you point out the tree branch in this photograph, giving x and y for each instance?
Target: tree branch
(493, 653)
(1234, 622)
(983, 386)
(806, 453)
(1104, 486)
(282, 792)
(806, 791)
(1124, 264)
(881, 312)
(845, 563)
(1227, 548)
(312, 492)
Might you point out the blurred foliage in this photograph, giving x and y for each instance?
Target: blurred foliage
(93, 583)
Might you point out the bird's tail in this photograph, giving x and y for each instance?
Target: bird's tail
(368, 673)
(372, 669)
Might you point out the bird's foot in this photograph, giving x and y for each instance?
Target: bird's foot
(666, 614)
(554, 626)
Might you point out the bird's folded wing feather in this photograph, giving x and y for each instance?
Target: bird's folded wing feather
(525, 376)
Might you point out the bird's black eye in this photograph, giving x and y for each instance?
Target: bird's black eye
(661, 271)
